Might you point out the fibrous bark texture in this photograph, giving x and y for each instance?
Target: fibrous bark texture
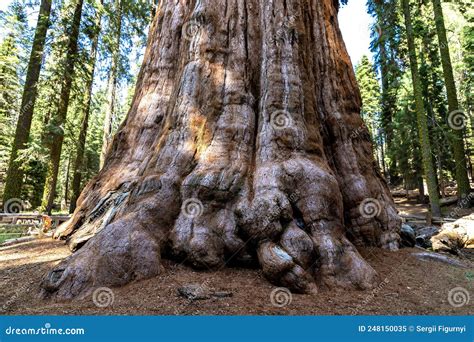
(244, 144)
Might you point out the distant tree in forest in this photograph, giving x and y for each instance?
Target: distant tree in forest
(467, 85)
(15, 173)
(370, 93)
(115, 23)
(59, 117)
(34, 159)
(387, 46)
(86, 111)
(12, 48)
(120, 12)
(431, 79)
(429, 172)
(456, 137)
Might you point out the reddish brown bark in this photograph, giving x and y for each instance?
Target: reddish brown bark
(244, 142)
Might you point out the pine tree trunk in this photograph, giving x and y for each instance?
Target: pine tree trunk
(59, 118)
(423, 131)
(112, 86)
(239, 146)
(66, 181)
(456, 140)
(387, 99)
(81, 144)
(386, 116)
(382, 157)
(14, 180)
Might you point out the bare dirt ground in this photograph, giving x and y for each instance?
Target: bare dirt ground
(410, 207)
(413, 207)
(408, 286)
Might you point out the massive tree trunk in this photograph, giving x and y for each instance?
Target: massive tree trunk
(244, 143)
(59, 118)
(15, 172)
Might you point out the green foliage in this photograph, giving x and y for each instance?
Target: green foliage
(15, 45)
(12, 61)
(370, 93)
(397, 118)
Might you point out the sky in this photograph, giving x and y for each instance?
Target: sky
(354, 23)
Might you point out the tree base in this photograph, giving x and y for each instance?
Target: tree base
(244, 144)
(296, 237)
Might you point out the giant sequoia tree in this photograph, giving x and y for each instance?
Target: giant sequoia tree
(244, 142)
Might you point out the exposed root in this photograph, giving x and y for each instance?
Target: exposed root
(122, 252)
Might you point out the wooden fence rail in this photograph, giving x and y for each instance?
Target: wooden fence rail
(33, 219)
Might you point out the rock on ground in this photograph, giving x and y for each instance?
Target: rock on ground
(455, 236)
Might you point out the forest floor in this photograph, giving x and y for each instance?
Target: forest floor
(411, 206)
(408, 286)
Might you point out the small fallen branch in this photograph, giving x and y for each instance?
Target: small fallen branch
(201, 292)
(423, 219)
(427, 256)
(448, 200)
(15, 241)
